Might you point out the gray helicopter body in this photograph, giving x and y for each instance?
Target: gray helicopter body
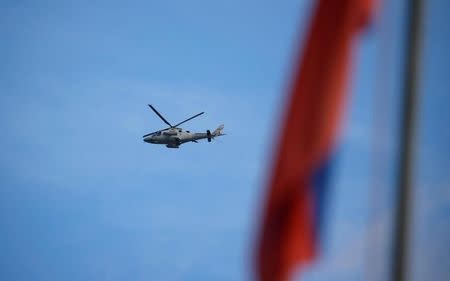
(174, 136)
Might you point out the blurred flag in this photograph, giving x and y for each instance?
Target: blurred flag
(290, 230)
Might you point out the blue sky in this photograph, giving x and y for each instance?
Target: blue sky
(83, 198)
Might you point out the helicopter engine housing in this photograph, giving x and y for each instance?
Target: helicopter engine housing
(170, 132)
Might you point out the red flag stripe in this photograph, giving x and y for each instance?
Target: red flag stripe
(309, 130)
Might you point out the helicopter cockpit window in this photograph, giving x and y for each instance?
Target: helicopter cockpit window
(188, 131)
(158, 133)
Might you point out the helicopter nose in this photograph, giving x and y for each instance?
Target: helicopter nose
(148, 139)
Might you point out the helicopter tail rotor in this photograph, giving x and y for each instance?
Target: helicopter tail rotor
(217, 133)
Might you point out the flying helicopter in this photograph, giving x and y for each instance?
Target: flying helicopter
(173, 136)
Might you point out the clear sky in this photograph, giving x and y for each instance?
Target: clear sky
(84, 198)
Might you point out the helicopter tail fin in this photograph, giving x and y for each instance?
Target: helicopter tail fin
(218, 132)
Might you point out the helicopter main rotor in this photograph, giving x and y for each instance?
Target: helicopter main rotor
(160, 116)
(167, 122)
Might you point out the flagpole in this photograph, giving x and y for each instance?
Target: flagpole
(401, 226)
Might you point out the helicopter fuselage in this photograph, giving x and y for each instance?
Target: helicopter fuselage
(174, 137)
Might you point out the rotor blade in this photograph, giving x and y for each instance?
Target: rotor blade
(189, 119)
(160, 116)
(149, 134)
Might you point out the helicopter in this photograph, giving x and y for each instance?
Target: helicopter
(173, 136)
